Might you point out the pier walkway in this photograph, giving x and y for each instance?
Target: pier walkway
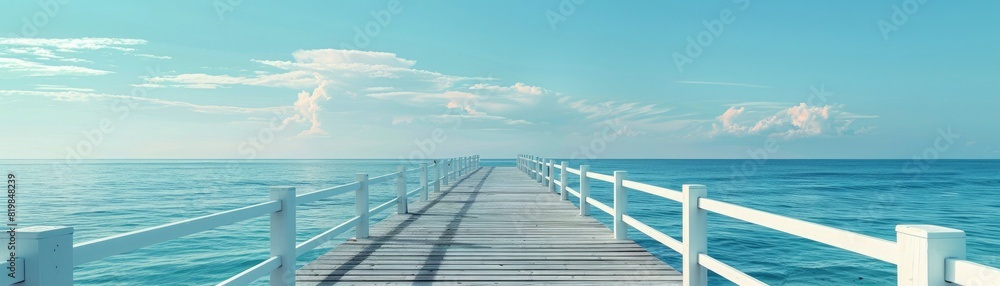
(476, 225)
(494, 225)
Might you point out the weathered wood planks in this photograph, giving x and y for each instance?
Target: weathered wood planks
(494, 226)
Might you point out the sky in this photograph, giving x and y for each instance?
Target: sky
(578, 79)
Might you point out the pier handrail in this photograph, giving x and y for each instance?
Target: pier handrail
(923, 254)
(49, 254)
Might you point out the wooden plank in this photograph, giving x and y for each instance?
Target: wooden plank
(493, 227)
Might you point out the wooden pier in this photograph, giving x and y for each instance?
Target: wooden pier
(498, 225)
(493, 226)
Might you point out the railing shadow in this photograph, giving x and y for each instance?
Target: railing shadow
(378, 243)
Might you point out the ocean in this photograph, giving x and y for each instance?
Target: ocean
(100, 198)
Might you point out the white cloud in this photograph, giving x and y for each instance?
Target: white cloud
(294, 79)
(797, 121)
(728, 119)
(307, 109)
(794, 122)
(61, 88)
(77, 96)
(519, 87)
(623, 111)
(626, 131)
(74, 45)
(59, 49)
(402, 120)
(501, 98)
(34, 51)
(353, 71)
(154, 56)
(385, 88)
(34, 69)
(721, 83)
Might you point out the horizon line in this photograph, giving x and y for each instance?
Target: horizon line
(481, 158)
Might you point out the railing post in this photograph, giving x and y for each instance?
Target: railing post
(541, 170)
(401, 207)
(437, 176)
(552, 176)
(584, 190)
(538, 168)
(562, 179)
(545, 173)
(621, 206)
(361, 206)
(922, 253)
(447, 171)
(695, 235)
(423, 181)
(283, 236)
(526, 168)
(47, 253)
(532, 167)
(549, 173)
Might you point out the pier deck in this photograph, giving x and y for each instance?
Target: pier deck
(494, 226)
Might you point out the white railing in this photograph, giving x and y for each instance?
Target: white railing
(47, 254)
(923, 254)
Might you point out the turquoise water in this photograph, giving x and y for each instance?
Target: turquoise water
(105, 197)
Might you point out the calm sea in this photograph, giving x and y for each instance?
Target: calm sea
(105, 197)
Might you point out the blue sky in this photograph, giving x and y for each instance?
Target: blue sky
(415, 79)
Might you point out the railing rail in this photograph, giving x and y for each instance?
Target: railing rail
(49, 255)
(923, 254)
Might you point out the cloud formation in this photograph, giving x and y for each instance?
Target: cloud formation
(307, 109)
(80, 96)
(30, 57)
(19, 67)
(798, 121)
(75, 45)
(349, 70)
(721, 83)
